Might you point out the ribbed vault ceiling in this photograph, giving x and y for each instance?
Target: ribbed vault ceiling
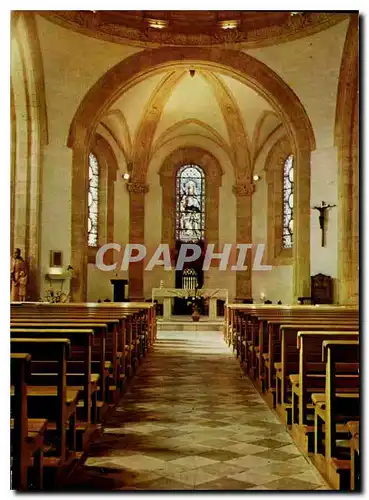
(207, 104)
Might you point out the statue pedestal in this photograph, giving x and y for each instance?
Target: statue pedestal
(118, 289)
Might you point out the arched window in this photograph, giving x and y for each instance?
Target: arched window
(287, 228)
(93, 200)
(190, 204)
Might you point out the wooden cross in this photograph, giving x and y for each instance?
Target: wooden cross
(322, 209)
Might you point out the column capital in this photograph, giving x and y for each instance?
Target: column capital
(242, 189)
(138, 187)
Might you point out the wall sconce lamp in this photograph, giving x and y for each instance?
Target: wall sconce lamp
(256, 178)
(126, 176)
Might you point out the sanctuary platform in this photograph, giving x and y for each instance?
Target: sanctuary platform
(185, 324)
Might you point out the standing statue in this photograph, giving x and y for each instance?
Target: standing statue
(19, 277)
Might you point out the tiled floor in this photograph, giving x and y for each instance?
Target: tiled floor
(192, 421)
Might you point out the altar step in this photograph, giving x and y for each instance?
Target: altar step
(187, 325)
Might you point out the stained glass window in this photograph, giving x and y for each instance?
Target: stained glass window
(93, 200)
(190, 208)
(287, 236)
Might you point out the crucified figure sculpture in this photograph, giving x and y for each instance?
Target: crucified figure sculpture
(322, 209)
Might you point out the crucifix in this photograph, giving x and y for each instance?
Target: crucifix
(322, 209)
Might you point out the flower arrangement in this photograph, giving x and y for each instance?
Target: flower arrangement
(194, 299)
(54, 297)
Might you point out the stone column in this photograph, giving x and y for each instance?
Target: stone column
(348, 270)
(243, 192)
(348, 229)
(212, 213)
(168, 207)
(79, 214)
(355, 210)
(137, 191)
(301, 226)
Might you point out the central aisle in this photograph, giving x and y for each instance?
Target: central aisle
(192, 420)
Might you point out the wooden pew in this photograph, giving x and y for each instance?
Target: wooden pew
(147, 309)
(267, 350)
(131, 331)
(264, 343)
(270, 338)
(287, 377)
(56, 403)
(266, 319)
(312, 371)
(256, 341)
(140, 334)
(27, 435)
(231, 310)
(131, 348)
(355, 480)
(115, 340)
(273, 358)
(309, 375)
(100, 365)
(338, 405)
(78, 376)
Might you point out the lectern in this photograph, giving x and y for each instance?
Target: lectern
(118, 288)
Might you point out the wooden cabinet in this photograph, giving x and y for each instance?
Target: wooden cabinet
(322, 289)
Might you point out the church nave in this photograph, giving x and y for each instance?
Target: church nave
(184, 239)
(191, 420)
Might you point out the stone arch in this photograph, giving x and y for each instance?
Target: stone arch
(346, 141)
(239, 65)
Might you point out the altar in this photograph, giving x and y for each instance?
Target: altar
(210, 294)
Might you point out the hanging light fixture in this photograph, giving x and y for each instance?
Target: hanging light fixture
(229, 25)
(157, 23)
